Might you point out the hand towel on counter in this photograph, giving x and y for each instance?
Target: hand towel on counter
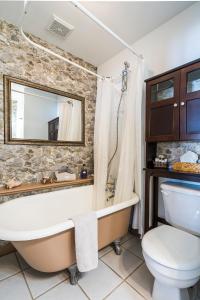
(86, 241)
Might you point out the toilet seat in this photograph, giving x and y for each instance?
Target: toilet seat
(173, 248)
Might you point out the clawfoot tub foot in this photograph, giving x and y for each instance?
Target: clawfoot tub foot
(117, 247)
(74, 274)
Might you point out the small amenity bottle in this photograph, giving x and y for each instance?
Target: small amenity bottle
(83, 173)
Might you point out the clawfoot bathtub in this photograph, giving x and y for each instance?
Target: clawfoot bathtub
(40, 228)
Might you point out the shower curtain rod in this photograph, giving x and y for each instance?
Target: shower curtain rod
(60, 56)
(34, 44)
(102, 25)
(57, 55)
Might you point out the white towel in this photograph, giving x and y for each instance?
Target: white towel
(86, 241)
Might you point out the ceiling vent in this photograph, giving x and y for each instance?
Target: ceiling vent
(60, 27)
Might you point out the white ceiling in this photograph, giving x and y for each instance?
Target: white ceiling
(130, 20)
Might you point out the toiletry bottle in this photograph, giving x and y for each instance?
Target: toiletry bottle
(83, 173)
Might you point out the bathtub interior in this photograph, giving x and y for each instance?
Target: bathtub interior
(41, 215)
(46, 209)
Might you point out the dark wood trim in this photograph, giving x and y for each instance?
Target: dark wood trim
(155, 202)
(162, 220)
(173, 70)
(7, 80)
(147, 200)
(159, 172)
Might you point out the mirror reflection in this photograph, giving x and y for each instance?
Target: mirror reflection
(40, 115)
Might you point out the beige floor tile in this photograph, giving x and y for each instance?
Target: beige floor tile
(8, 266)
(123, 264)
(142, 281)
(124, 292)
(64, 291)
(134, 245)
(39, 282)
(98, 283)
(14, 288)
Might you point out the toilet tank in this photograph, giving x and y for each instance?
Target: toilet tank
(182, 205)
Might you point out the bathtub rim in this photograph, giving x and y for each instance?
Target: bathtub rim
(15, 236)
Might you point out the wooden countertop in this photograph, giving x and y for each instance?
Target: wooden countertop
(168, 173)
(29, 187)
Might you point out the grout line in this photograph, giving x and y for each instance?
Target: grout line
(124, 281)
(83, 291)
(51, 288)
(136, 291)
(132, 252)
(134, 270)
(121, 246)
(132, 237)
(10, 276)
(106, 253)
(112, 269)
(113, 290)
(131, 285)
(24, 277)
(118, 273)
(27, 285)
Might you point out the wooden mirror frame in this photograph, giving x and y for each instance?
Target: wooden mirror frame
(7, 80)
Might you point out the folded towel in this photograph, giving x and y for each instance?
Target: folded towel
(86, 241)
(65, 176)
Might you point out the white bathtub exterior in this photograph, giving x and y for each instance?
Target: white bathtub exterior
(46, 214)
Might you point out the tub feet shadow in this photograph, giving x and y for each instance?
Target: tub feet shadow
(74, 274)
(117, 247)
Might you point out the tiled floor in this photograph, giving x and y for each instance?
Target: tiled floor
(123, 277)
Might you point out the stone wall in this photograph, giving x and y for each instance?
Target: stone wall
(19, 59)
(173, 150)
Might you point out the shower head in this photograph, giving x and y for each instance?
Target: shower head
(127, 65)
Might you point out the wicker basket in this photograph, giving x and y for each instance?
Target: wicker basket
(186, 167)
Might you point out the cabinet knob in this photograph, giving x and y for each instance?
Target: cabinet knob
(175, 105)
(182, 103)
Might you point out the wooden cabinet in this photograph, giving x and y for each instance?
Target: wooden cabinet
(190, 103)
(173, 105)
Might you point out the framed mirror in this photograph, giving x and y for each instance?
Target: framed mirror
(36, 114)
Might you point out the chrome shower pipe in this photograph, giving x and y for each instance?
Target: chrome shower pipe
(125, 76)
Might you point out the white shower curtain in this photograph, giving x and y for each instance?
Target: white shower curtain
(129, 176)
(69, 113)
(101, 141)
(130, 152)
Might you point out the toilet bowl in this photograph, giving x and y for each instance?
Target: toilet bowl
(173, 258)
(172, 254)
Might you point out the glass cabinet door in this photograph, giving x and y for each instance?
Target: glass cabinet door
(190, 102)
(163, 107)
(162, 90)
(190, 82)
(193, 81)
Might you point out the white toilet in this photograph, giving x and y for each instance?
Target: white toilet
(172, 254)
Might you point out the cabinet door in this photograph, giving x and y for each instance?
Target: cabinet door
(190, 103)
(162, 118)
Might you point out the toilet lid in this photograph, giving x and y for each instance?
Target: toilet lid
(172, 248)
